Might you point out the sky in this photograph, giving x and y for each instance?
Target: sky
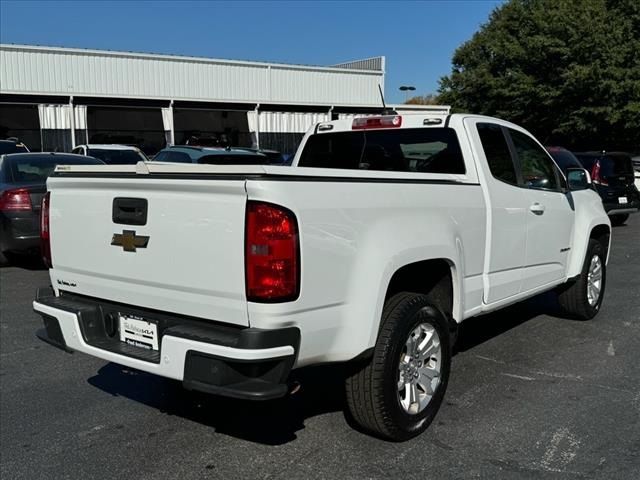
(418, 38)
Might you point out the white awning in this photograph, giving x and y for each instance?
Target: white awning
(57, 117)
(285, 122)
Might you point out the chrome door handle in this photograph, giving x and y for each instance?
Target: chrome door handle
(537, 208)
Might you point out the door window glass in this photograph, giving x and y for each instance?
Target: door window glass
(538, 169)
(497, 152)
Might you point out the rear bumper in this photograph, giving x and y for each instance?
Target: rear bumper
(622, 211)
(622, 208)
(19, 234)
(612, 205)
(235, 362)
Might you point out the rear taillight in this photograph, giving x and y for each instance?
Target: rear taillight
(17, 199)
(272, 253)
(45, 238)
(365, 123)
(595, 174)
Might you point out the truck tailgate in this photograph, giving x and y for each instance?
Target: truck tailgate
(193, 260)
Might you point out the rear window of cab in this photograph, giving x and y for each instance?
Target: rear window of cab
(420, 150)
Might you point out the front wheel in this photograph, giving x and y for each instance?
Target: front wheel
(582, 299)
(398, 393)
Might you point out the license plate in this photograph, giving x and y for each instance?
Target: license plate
(138, 332)
(622, 200)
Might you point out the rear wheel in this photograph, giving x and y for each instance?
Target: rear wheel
(617, 220)
(398, 393)
(582, 299)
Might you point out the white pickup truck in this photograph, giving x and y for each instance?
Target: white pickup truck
(383, 236)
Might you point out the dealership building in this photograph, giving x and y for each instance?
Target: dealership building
(55, 98)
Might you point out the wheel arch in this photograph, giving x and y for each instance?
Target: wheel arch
(436, 277)
(600, 231)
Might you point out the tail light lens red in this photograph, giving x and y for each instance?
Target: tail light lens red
(595, 174)
(45, 238)
(17, 199)
(272, 253)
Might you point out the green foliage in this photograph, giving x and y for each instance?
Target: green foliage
(567, 70)
(429, 99)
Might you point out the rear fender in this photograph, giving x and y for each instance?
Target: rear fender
(444, 247)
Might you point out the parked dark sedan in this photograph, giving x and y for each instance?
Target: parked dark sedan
(612, 175)
(23, 178)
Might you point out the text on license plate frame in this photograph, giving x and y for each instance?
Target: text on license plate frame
(138, 332)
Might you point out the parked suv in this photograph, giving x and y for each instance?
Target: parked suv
(211, 155)
(613, 177)
(636, 167)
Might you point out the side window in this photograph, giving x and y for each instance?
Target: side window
(538, 170)
(77, 150)
(497, 152)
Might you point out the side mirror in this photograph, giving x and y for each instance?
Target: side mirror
(578, 179)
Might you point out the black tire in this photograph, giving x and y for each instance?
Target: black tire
(3, 260)
(573, 297)
(372, 392)
(617, 220)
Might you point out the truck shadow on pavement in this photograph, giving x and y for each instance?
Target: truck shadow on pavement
(272, 422)
(276, 422)
(478, 330)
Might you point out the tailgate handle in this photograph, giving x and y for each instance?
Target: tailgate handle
(129, 211)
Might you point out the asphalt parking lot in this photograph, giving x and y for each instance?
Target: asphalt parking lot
(531, 395)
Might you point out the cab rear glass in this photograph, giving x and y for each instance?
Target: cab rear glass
(420, 150)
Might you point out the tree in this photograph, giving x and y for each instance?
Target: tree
(429, 99)
(568, 71)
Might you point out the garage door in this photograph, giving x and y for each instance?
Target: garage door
(141, 127)
(22, 122)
